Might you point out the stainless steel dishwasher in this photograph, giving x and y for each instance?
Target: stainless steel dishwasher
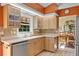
(20, 48)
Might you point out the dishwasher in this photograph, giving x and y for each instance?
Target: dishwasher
(20, 49)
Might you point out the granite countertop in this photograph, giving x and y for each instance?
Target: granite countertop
(12, 40)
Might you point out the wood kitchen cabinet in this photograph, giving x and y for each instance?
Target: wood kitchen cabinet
(51, 44)
(35, 46)
(31, 48)
(38, 22)
(35, 22)
(11, 16)
(42, 23)
(7, 50)
(47, 22)
(52, 22)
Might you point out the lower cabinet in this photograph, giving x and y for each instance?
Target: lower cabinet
(35, 46)
(30, 48)
(7, 50)
(51, 44)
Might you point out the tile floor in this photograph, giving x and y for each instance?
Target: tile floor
(60, 52)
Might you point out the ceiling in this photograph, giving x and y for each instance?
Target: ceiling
(60, 5)
(44, 4)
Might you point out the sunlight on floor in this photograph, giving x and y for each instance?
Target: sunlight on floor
(62, 51)
(63, 46)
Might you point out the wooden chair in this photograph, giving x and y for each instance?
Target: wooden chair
(70, 41)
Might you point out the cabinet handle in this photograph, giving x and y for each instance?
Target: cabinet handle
(6, 47)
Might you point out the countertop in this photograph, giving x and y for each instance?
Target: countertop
(12, 40)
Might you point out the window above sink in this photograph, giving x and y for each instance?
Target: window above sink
(24, 24)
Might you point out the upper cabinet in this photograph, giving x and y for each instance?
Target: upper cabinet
(49, 22)
(35, 22)
(11, 16)
(52, 22)
(45, 22)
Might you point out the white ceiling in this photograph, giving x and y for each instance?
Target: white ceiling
(61, 5)
(67, 5)
(44, 4)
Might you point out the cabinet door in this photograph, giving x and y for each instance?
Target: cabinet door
(40, 22)
(11, 10)
(52, 22)
(31, 49)
(42, 43)
(11, 15)
(46, 44)
(6, 50)
(35, 22)
(17, 12)
(14, 16)
(35, 46)
(45, 23)
(39, 45)
(50, 44)
(48, 22)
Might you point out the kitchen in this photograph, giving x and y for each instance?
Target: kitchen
(26, 31)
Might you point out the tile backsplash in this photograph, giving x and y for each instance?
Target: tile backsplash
(48, 31)
(45, 31)
(10, 31)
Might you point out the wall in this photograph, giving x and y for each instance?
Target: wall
(72, 11)
(1, 16)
